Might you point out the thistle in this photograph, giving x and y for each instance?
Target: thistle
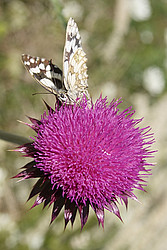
(87, 157)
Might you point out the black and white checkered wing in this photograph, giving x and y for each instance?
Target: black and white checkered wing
(74, 63)
(44, 72)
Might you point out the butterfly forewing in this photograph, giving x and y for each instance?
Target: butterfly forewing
(72, 43)
(72, 84)
(45, 72)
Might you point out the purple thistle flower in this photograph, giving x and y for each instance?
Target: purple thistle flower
(87, 157)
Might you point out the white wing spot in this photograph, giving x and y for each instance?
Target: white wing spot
(48, 68)
(27, 63)
(65, 68)
(78, 36)
(48, 83)
(42, 66)
(48, 74)
(73, 30)
(32, 60)
(68, 46)
(35, 70)
(73, 80)
(73, 45)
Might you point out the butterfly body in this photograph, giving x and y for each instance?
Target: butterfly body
(71, 84)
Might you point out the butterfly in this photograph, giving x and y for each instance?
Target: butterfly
(70, 85)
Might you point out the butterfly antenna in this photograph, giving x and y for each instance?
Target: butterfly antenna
(41, 93)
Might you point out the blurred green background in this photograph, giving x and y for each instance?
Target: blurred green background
(126, 45)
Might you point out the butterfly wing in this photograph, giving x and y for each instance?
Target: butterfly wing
(74, 67)
(44, 72)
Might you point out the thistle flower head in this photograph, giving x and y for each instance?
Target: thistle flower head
(87, 157)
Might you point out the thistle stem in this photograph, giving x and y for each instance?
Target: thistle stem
(13, 138)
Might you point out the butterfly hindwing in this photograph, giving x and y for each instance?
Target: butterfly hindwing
(77, 74)
(46, 73)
